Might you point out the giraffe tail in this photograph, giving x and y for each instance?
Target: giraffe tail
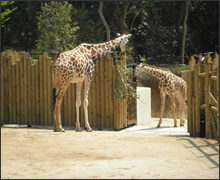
(54, 99)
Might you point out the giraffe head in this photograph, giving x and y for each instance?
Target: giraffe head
(139, 69)
(123, 41)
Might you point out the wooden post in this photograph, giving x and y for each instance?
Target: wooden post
(2, 88)
(18, 91)
(73, 100)
(69, 104)
(207, 109)
(189, 101)
(192, 63)
(14, 89)
(41, 90)
(22, 89)
(33, 98)
(102, 81)
(197, 102)
(10, 88)
(106, 84)
(98, 90)
(116, 107)
(218, 103)
(45, 69)
(29, 90)
(111, 111)
(93, 98)
(37, 93)
(49, 91)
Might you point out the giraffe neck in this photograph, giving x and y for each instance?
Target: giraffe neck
(101, 49)
(155, 72)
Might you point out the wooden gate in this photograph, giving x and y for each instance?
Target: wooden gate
(203, 97)
(26, 93)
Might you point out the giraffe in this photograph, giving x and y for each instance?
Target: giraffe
(76, 66)
(170, 85)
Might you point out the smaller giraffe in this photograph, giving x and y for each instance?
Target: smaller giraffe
(170, 85)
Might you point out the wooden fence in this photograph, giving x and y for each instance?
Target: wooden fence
(26, 94)
(203, 97)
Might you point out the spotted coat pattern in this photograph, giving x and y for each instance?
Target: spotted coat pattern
(169, 84)
(76, 66)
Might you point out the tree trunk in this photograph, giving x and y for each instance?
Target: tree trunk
(103, 20)
(184, 34)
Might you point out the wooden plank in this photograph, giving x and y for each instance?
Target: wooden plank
(106, 84)
(93, 98)
(111, 111)
(14, 96)
(2, 89)
(33, 94)
(213, 108)
(37, 92)
(73, 100)
(22, 89)
(29, 91)
(25, 88)
(197, 102)
(115, 102)
(190, 102)
(18, 91)
(213, 125)
(65, 102)
(102, 86)
(207, 110)
(203, 106)
(192, 63)
(69, 103)
(49, 91)
(98, 96)
(217, 88)
(90, 107)
(45, 89)
(41, 82)
(10, 89)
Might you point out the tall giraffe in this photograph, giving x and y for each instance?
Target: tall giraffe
(76, 66)
(170, 85)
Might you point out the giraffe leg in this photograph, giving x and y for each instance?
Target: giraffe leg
(174, 108)
(181, 101)
(86, 103)
(162, 97)
(78, 104)
(57, 109)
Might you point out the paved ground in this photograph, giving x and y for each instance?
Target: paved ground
(135, 152)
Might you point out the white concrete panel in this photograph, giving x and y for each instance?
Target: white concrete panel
(144, 106)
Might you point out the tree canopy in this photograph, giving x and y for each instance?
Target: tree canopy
(156, 26)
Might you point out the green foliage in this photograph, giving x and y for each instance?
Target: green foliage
(123, 91)
(57, 33)
(6, 12)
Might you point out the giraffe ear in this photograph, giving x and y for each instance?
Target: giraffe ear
(118, 34)
(129, 35)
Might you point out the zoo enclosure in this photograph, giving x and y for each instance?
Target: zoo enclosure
(26, 93)
(203, 97)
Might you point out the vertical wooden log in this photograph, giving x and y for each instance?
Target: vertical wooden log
(18, 91)
(207, 109)
(10, 88)
(45, 89)
(189, 101)
(2, 88)
(90, 107)
(6, 89)
(98, 95)
(26, 88)
(29, 91)
(217, 103)
(33, 98)
(73, 103)
(192, 63)
(64, 121)
(14, 96)
(94, 97)
(37, 87)
(22, 89)
(111, 111)
(69, 89)
(49, 91)
(197, 102)
(102, 86)
(82, 119)
(106, 84)
(41, 73)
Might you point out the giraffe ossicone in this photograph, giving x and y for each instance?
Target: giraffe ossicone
(170, 85)
(76, 66)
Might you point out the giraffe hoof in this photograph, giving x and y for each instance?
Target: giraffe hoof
(175, 126)
(78, 130)
(55, 130)
(90, 130)
(158, 126)
(181, 124)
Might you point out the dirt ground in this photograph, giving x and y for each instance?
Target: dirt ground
(38, 152)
